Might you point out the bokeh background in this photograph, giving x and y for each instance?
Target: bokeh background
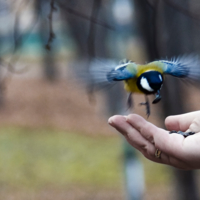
(55, 142)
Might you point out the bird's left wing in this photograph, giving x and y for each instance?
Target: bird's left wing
(182, 67)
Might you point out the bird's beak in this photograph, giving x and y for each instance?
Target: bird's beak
(158, 97)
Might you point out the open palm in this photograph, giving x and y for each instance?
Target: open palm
(177, 151)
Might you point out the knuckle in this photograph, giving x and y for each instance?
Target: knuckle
(146, 131)
(195, 126)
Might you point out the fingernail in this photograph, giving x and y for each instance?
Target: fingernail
(110, 121)
(126, 118)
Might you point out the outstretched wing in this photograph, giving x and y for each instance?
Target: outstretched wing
(108, 72)
(124, 71)
(99, 69)
(183, 67)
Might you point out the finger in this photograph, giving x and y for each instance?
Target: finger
(133, 136)
(195, 125)
(180, 122)
(169, 160)
(150, 132)
(170, 144)
(119, 123)
(147, 129)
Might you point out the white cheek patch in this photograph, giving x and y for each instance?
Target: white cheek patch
(160, 77)
(144, 83)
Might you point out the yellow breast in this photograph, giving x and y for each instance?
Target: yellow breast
(130, 85)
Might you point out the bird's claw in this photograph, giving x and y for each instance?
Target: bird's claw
(147, 106)
(156, 100)
(158, 97)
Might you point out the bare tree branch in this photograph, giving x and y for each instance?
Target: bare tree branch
(51, 33)
(177, 7)
(183, 10)
(78, 14)
(91, 36)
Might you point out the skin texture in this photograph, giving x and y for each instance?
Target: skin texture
(177, 151)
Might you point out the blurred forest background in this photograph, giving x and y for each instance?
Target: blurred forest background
(54, 139)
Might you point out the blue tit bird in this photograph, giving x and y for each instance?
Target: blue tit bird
(148, 79)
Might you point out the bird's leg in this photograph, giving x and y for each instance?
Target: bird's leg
(147, 106)
(130, 101)
(158, 97)
(185, 134)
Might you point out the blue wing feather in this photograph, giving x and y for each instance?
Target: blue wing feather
(183, 67)
(119, 73)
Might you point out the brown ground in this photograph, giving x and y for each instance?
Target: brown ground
(38, 103)
(62, 104)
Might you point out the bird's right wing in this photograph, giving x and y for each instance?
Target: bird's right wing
(124, 71)
(108, 72)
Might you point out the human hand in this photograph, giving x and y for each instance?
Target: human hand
(176, 150)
